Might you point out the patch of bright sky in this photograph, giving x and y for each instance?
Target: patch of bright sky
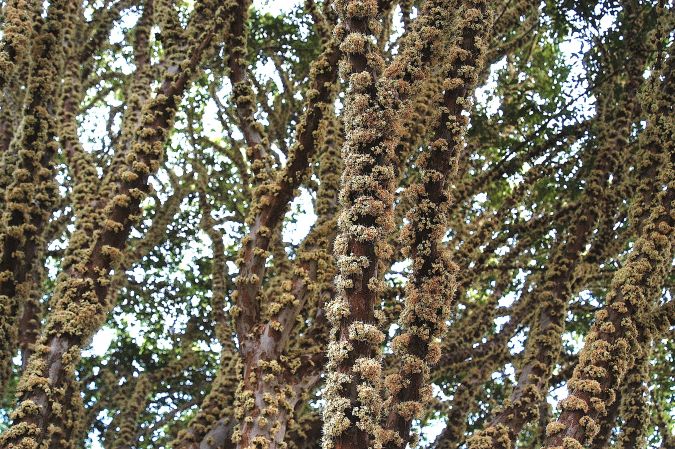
(295, 231)
(278, 6)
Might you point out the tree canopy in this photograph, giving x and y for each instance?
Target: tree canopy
(338, 224)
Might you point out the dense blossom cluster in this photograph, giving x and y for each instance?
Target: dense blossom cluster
(30, 197)
(431, 288)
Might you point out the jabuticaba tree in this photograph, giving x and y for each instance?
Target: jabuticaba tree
(544, 341)
(430, 291)
(31, 194)
(621, 336)
(336, 224)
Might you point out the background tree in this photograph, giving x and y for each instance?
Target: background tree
(338, 224)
